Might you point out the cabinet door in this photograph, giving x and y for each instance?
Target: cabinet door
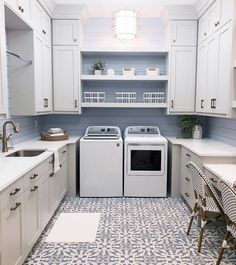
(37, 16)
(184, 33)
(65, 32)
(38, 75)
(63, 180)
(203, 28)
(46, 27)
(226, 11)
(212, 72)
(31, 217)
(214, 17)
(47, 77)
(12, 234)
(183, 75)
(44, 201)
(25, 9)
(224, 69)
(66, 73)
(53, 192)
(202, 67)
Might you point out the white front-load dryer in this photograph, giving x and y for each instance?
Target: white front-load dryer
(145, 162)
(101, 162)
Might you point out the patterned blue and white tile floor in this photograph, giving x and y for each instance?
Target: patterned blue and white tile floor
(135, 231)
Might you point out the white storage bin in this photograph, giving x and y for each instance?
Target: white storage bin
(94, 97)
(154, 97)
(126, 97)
(152, 71)
(128, 71)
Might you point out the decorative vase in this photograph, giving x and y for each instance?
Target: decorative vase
(197, 132)
(97, 72)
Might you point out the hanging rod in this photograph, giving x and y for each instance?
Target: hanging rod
(19, 57)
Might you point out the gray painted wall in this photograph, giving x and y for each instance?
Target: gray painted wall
(76, 124)
(221, 129)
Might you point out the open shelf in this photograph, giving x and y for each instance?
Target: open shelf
(123, 105)
(124, 78)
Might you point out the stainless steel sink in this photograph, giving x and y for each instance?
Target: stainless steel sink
(26, 153)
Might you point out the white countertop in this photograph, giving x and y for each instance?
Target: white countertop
(12, 168)
(205, 147)
(223, 171)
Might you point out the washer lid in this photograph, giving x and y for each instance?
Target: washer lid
(102, 132)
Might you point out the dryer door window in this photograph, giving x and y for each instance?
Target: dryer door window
(146, 160)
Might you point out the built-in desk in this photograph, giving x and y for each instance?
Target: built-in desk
(200, 152)
(216, 172)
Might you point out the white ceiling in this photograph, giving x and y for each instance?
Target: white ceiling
(146, 8)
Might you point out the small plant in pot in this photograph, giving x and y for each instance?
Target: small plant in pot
(186, 125)
(98, 66)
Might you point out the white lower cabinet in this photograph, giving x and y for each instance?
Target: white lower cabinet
(31, 217)
(44, 200)
(12, 232)
(26, 209)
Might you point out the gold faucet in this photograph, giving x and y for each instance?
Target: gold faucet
(4, 134)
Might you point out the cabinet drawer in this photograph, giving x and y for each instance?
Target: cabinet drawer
(63, 154)
(11, 193)
(36, 173)
(187, 192)
(213, 179)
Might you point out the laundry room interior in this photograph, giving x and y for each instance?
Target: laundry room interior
(117, 132)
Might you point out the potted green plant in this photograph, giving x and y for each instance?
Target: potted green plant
(186, 125)
(98, 66)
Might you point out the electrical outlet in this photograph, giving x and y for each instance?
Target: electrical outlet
(36, 123)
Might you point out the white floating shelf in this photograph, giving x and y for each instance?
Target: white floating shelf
(123, 105)
(124, 51)
(125, 78)
(233, 104)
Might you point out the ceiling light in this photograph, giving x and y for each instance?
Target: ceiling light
(125, 24)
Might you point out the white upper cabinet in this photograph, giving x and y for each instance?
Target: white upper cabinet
(183, 67)
(201, 77)
(41, 21)
(3, 72)
(66, 83)
(182, 83)
(203, 30)
(226, 11)
(214, 73)
(65, 32)
(21, 7)
(215, 17)
(223, 76)
(184, 33)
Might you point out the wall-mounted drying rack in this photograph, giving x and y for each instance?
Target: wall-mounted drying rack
(19, 57)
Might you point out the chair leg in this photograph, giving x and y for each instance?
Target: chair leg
(192, 217)
(222, 248)
(203, 223)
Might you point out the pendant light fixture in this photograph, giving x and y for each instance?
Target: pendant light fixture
(125, 24)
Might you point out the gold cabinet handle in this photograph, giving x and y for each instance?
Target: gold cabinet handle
(46, 103)
(15, 192)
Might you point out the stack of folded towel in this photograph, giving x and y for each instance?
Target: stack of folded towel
(56, 132)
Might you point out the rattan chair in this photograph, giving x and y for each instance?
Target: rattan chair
(208, 205)
(229, 205)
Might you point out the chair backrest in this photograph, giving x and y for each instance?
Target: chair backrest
(229, 199)
(203, 186)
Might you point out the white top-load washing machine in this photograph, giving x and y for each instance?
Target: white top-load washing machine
(145, 163)
(101, 162)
